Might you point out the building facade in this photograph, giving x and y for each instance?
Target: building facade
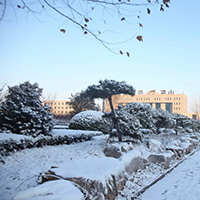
(60, 108)
(173, 103)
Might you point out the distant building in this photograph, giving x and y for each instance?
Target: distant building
(60, 109)
(173, 103)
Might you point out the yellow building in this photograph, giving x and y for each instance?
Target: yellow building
(59, 108)
(173, 103)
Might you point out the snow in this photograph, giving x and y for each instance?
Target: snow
(182, 183)
(99, 169)
(61, 127)
(62, 132)
(88, 115)
(17, 137)
(20, 172)
(126, 158)
(60, 189)
(22, 168)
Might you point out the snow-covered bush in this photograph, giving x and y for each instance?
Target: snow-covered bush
(148, 117)
(163, 119)
(23, 113)
(128, 123)
(196, 125)
(11, 143)
(182, 120)
(144, 113)
(90, 120)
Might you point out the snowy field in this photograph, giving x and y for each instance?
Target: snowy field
(21, 171)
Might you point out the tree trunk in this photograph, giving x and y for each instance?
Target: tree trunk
(114, 120)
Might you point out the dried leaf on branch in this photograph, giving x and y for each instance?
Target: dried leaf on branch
(139, 37)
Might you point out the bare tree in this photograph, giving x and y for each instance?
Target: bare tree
(2, 93)
(195, 105)
(81, 103)
(48, 99)
(88, 15)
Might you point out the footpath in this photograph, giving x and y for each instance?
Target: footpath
(182, 183)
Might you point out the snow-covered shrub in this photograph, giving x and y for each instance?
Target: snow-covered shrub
(23, 113)
(144, 113)
(128, 123)
(182, 120)
(90, 120)
(14, 144)
(148, 117)
(163, 119)
(196, 125)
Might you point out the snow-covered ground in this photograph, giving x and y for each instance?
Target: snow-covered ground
(21, 171)
(22, 168)
(181, 184)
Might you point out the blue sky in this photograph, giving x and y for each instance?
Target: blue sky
(168, 58)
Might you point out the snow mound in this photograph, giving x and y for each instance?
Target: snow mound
(90, 120)
(60, 189)
(99, 169)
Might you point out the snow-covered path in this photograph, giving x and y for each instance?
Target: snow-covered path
(181, 184)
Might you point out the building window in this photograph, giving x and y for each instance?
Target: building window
(150, 104)
(66, 112)
(62, 107)
(58, 103)
(158, 105)
(58, 107)
(62, 103)
(65, 107)
(66, 102)
(54, 103)
(169, 107)
(54, 107)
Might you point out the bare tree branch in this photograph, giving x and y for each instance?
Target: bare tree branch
(80, 12)
(3, 10)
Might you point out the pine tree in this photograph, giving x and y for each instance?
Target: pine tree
(106, 89)
(23, 113)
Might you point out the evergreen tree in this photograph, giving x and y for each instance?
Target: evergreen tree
(163, 119)
(106, 89)
(23, 113)
(81, 103)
